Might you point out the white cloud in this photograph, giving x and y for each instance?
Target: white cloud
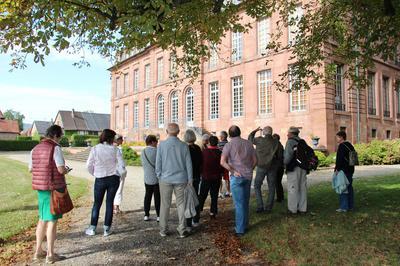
(43, 103)
(91, 58)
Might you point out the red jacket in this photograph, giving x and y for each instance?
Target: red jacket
(212, 169)
(44, 167)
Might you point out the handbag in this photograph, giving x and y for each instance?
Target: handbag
(353, 157)
(60, 200)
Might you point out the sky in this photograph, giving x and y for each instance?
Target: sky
(39, 92)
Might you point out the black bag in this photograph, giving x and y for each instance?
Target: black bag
(353, 156)
(304, 156)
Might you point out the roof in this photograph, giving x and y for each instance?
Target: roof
(85, 121)
(1, 115)
(9, 126)
(41, 126)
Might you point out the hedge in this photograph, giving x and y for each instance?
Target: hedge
(131, 157)
(64, 142)
(379, 152)
(78, 140)
(17, 145)
(325, 161)
(24, 138)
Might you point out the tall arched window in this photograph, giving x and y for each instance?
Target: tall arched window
(160, 116)
(189, 106)
(174, 107)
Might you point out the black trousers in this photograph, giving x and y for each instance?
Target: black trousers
(279, 187)
(150, 191)
(213, 188)
(195, 219)
(110, 185)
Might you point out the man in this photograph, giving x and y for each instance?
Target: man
(118, 197)
(223, 139)
(174, 171)
(296, 176)
(269, 154)
(239, 158)
(281, 171)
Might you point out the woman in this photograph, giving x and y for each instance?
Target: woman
(106, 164)
(223, 140)
(47, 166)
(205, 140)
(346, 200)
(152, 187)
(212, 172)
(118, 197)
(196, 156)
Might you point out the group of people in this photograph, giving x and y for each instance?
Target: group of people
(173, 165)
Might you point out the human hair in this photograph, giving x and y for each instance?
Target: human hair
(276, 136)
(173, 129)
(189, 136)
(234, 131)
(205, 137)
(108, 136)
(267, 130)
(54, 131)
(223, 134)
(150, 139)
(342, 134)
(213, 141)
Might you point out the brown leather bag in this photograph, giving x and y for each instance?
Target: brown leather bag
(60, 200)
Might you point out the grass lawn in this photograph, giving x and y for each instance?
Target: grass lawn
(18, 205)
(368, 236)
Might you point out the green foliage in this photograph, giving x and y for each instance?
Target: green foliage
(24, 138)
(325, 161)
(130, 156)
(11, 114)
(93, 141)
(64, 142)
(36, 136)
(135, 143)
(78, 140)
(379, 152)
(17, 145)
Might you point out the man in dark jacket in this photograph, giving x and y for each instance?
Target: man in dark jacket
(346, 200)
(269, 154)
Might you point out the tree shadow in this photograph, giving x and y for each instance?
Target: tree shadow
(22, 208)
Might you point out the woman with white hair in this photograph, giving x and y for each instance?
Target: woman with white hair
(205, 140)
(197, 158)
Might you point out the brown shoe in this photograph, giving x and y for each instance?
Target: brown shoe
(39, 256)
(54, 258)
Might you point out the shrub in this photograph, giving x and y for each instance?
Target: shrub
(130, 156)
(78, 140)
(94, 141)
(325, 161)
(36, 136)
(17, 145)
(24, 138)
(135, 143)
(64, 142)
(91, 137)
(379, 152)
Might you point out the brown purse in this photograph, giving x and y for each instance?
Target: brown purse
(60, 200)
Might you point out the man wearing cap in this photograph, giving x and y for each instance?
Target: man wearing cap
(296, 176)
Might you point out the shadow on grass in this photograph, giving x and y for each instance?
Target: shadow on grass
(22, 208)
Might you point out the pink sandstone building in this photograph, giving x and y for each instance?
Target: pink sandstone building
(234, 87)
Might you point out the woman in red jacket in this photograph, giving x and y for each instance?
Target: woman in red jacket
(47, 166)
(212, 172)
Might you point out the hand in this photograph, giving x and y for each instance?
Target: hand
(237, 174)
(190, 183)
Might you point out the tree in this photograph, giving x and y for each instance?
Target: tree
(355, 31)
(14, 115)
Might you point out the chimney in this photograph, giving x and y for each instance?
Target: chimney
(73, 113)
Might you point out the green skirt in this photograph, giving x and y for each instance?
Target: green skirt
(44, 199)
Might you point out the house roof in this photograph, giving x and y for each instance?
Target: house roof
(41, 126)
(9, 126)
(85, 121)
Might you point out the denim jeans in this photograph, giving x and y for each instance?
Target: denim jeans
(240, 188)
(110, 185)
(271, 180)
(346, 200)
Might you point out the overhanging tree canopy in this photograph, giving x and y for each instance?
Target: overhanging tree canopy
(356, 31)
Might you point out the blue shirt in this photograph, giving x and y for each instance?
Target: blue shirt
(173, 163)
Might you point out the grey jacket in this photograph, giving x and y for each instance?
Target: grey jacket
(148, 157)
(289, 152)
(267, 150)
(173, 163)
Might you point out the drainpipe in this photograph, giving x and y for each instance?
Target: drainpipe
(358, 102)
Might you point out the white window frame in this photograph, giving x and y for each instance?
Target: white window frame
(174, 107)
(237, 46)
(294, 17)
(214, 100)
(117, 86)
(147, 76)
(172, 65)
(237, 97)
(160, 111)
(339, 88)
(116, 117)
(136, 114)
(213, 60)
(263, 35)
(126, 116)
(301, 101)
(264, 84)
(160, 70)
(371, 92)
(189, 106)
(126, 83)
(136, 80)
(146, 114)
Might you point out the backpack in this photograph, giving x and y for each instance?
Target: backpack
(305, 157)
(353, 156)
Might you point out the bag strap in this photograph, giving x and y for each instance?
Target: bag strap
(347, 146)
(147, 159)
(51, 167)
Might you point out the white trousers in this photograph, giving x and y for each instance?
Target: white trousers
(118, 196)
(297, 190)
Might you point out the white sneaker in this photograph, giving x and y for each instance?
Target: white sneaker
(163, 234)
(221, 195)
(90, 231)
(195, 224)
(146, 218)
(158, 219)
(107, 231)
(341, 210)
